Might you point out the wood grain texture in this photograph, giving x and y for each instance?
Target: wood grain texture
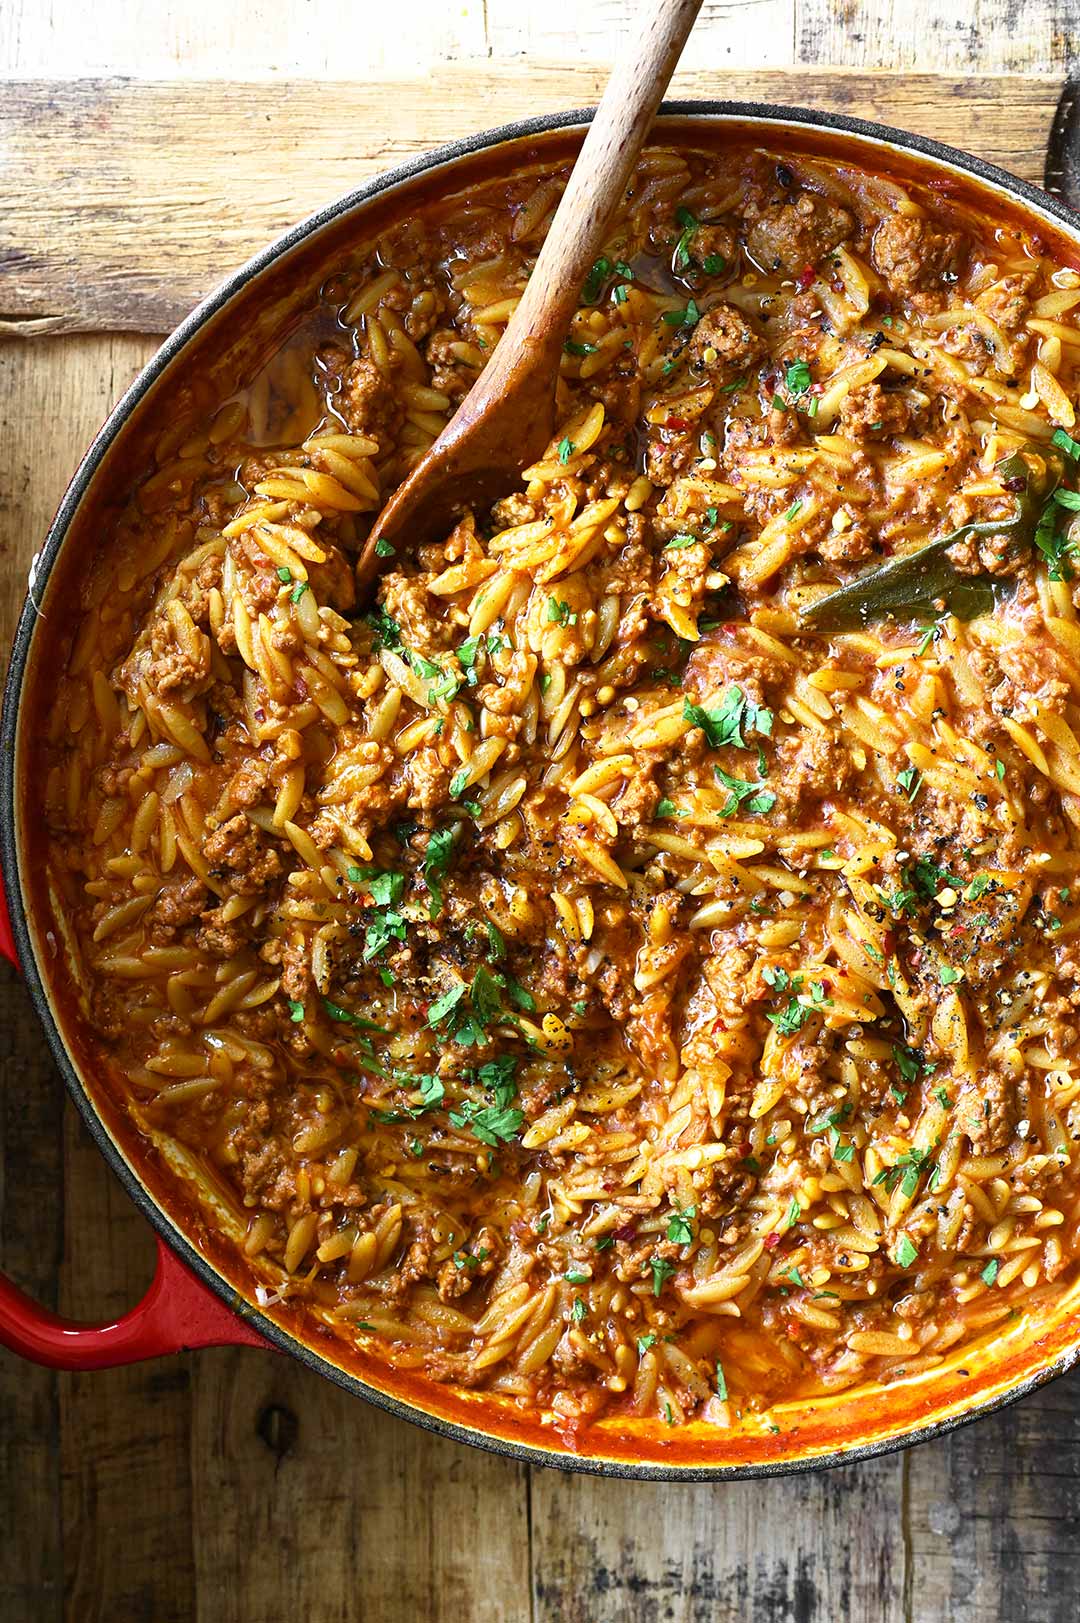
(232, 1487)
(1028, 36)
(319, 1507)
(129, 201)
(279, 39)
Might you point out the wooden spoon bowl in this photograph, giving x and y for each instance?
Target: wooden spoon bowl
(508, 417)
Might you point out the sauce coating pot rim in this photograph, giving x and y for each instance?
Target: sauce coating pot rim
(629, 1449)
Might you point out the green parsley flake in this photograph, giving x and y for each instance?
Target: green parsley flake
(662, 1271)
(797, 378)
(566, 450)
(905, 1253)
(679, 1230)
(384, 548)
(990, 1272)
(725, 725)
(721, 1382)
(296, 1011)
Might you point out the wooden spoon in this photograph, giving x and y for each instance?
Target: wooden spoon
(508, 417)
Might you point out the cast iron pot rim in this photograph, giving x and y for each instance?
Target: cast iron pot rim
(758, 113)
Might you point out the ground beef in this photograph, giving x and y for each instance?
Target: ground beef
(670, 453)
(789, 237)
(219, 937)
(725, 343)
(1007, 302)
(238, 855)
(179, 904)
(369, 403)
(448, 374)
(174, 664)
(912, 254)
(988, 1113)
(810, 766)
(869, 413)
(421, 617)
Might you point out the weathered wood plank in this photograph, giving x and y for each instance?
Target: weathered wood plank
(825, 1548)
(319, 1506)
(974, 36)
(126, 1490)
(51, 398)
(127, 202)
(204, 39)
(124, 1505)
(993, 1516)
(31, 1215)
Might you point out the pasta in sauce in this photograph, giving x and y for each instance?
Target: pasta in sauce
(584, 974)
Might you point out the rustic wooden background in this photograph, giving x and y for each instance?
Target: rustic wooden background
(145, 148)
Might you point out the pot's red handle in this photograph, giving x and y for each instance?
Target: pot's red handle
(177, 1312)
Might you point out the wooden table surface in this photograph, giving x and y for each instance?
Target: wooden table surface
(232, 1486)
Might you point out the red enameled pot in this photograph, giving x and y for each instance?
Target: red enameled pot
(203, 1293)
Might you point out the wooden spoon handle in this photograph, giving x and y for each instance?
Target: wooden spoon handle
(595, 188)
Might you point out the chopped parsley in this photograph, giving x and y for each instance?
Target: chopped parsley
(298, 591)
(296, 1011)
(595, 280)
(990, 1272)
(284, 574)
(721, 1382)
(558, 613)
(910, 781)
(346, 1018)
(725, 725)
(566, 450)
(906, 1171)
(905, 1252)
(572, 347)
(682, 247)
(662, 1271)
(793, 511)
(490, 1124)
(679, 1229)
(644, 1343)
(578, 1310)
(797, 378)
(384, 548)
(440, 848)
(683, 318)
(679, 542)
(758, 798)
(1066, 443)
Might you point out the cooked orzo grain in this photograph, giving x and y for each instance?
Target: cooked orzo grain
(594, 972)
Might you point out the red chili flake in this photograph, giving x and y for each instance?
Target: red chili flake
(805, 278)
(627, 1232)
(300, 687)
(718, 1025)
(1018, 483)
(888, 941)
(772, 1241)
(958, 929)
(676, 422)
(260, 714)
(793, 1332)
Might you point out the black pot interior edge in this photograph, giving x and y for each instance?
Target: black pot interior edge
(9, 853)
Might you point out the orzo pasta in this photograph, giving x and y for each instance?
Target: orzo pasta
(590, 973)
